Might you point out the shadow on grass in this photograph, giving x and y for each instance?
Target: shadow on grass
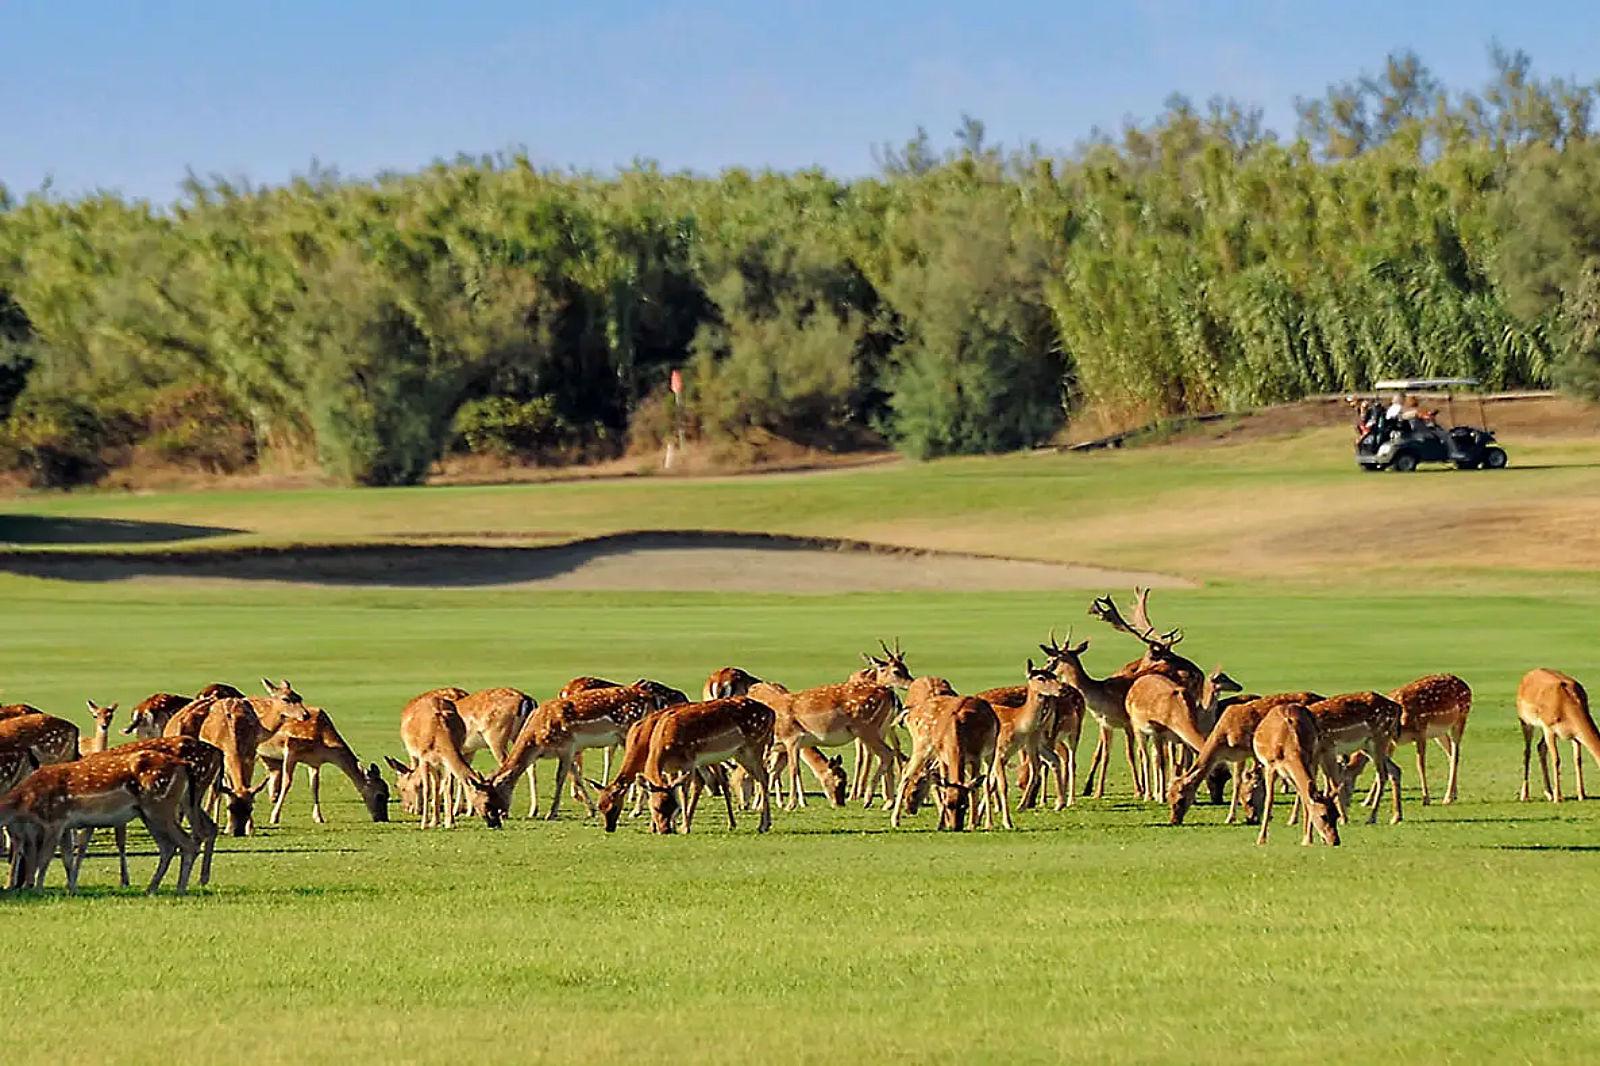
(39, 529)
(1546, 847)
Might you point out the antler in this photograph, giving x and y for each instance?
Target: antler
(1105, 609)
(1141, 610)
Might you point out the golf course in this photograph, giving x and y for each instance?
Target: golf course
(1098, 933)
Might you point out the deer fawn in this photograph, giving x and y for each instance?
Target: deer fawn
(1285, 745)
(1555, 705)
(433, 733)
(1230, 741)
(102, 728)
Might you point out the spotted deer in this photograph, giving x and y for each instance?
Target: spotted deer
(1058, 748)
(1285, 746)
(1022, 730)
(15, 764)
(692, 735)
(149, 716)
(1161, 710)
(891, 671)
(956, 737)
(563, 727)
(826, 717)
(205, 771)
(494, 717)
(108, 789)
(433, 732)
(1434, 707)
(101, 739)
(728, 681)
(312, 740)
(1368, 721)
(229, 724)
(1230, 742)
(48, 738)
(1556, 706)
(584, 684)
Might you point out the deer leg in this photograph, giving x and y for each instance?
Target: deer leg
(1577, 767)
(693, 787)
(1527, 756)
(120, 835)
(1552, 743)
(1266, 804)
(1097, 763)
(533, 789)
(1394, 776)
(1453, 750)
(285, 782)
(316, 795)
(204, 829)
(878, 748)
(754, 764)
(1383, 778)
(998, 788)
(563, 768)
(727, 798)
(1133, 766)
(1422, 767)
(166, 847)
(1233, 804)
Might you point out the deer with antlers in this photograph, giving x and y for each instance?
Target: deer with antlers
(891, 671)
(1285, 746)
(108, 789)
(1158, 657)
(1230, 742)
(1556, 706)
(954, 737)
(694, 735)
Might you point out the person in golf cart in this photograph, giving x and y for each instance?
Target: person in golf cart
(1403, 434)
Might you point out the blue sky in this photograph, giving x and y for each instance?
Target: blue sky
(127, 95)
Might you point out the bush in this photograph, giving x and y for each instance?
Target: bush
(509, 428)
(56, 440)
(196, 425)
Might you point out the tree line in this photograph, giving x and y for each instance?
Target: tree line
(962, 299)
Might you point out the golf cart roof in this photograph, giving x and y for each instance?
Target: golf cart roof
(1407, 384)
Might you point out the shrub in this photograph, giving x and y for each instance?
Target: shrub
(197, 425)
(56, 440)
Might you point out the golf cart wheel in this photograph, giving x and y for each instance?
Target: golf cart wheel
(1494, 458)
(1370, 468)
(1404, 463)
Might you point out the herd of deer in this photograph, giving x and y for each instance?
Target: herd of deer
(194, 760)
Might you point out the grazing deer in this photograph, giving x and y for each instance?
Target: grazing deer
(149, 716)
(1105, 698)
(728, 681)
(1161, 709)
(564, 727)
(205, 771)
(313, 741)
(958, 736)
(826, 717)
(1285, 745)
(102, 728)
(109, 789)
(634, 754)
(434, 733)
(1366, 720)
(693, 735)
(1433, 707)
(1557, 706)
(1231, 742)
(229, 724)
(50, 739)
(494, 717)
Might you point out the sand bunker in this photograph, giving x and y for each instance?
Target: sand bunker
(646, 562)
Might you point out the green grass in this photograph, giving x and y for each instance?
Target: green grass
(1095, 934)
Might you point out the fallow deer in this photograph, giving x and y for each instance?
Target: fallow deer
(563, 727)
(728, 681)
(891, 671)
(1285, 745)
(494, 717)
(826, 717)
(149, 716)
(956, 736)
(1022, 731)
(584, 684)
(1159, 657)
(1161, 709)
(1433, 707)
(693, 735)
(15, 764)
(105, 790)
(1557, 707)
(1231, 742)
(102, 728)
(229, 724)
(205, 771)
(1106, 699)
(50, 739)
(434, 733)
(1358, 720)
(313, 741)
(1058, 749)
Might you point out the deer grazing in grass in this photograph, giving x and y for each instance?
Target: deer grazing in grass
(229, 724)
(1285, 745)
(205, 772)
(108, 789)
(954, 738)
(1161, 711)
(102, 728)
(494, 717)
(1556, 706)
(694, 735)
(826, 717)
(1230, 742)
(434, 734)
(562, 728)
(1368, 721)
(298, 735)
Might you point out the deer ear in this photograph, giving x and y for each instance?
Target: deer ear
(395, 764)
(267, 684)
(109, 707)
(92, 705)
(1030, 664)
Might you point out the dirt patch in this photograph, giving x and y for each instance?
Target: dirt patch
(656, 562)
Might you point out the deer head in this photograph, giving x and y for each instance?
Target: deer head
(241, 805)
(835, 784)
(486, 802)
(1044, 682)
(890, 670)
(282, 691)
(101, 715)
(408, 779)
(376, 794)
(663, 807)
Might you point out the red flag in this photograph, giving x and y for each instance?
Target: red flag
(677, 382)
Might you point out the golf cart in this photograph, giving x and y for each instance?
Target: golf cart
(1398, 435)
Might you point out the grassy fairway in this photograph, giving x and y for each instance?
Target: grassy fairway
(1090, 935)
